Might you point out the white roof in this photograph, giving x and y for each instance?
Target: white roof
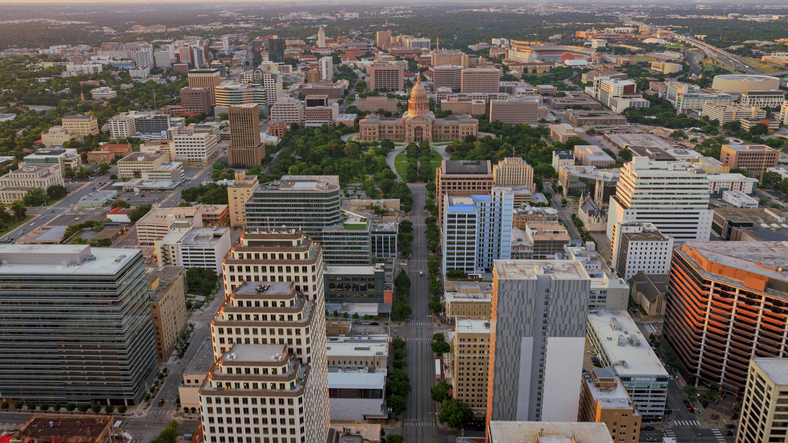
(625, 345)
(353, 380)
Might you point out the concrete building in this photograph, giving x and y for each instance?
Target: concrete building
(784, 113)
(80, 124)
(194, 145)
(158, 222)
(514, 111)
(741, 290)
(562, 132)
(562, 159)
(15, 184)
(310, 203)
(246, 147)
(484, 80)
(766, 391)
(447, 76)
(196, 100)
(468, 304)
(599, 184)
(326, 69)
(477, 230)
(56, 136)
(603, 399)
(97, 335)
(167, 292)
(621, 346)
(288, 110)
(122, 126)
(464, 106)
(43, 428)
(356, 396)
(514, 171)
(752, 158)
(358, 352)
(640, 247)
(539, 431)
(744, 82)
(763, 99)
(546, 238)
(608, 292)
(276, 255)
(739, 199)
(539, 312)
(205, 78)
(376, 103)
(103, 93)
(235, 94)
(462, 178)
(746, 224)
(237, 194)
(729, 113)
(355, 284)
(134, 164)
(592, 155)
(386, 77)
(665, 67)
(448, 57)
(470, 363)
(719, 183)
(578, 117)
(667, 194)
(68, 159)
(202, 248)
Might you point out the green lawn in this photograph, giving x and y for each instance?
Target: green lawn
(643, 59)
(435, 161)
(15, 225)
(401, 165)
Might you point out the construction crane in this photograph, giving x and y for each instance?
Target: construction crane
(40, 45)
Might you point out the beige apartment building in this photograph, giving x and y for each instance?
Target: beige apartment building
(448, 57)
(471, 363)
(156, 223)
(459, 106)
(288, 110)
(468, 305)
(447, 76)
(194, 375)
(603, 399)
(386, 77)
(167, 289)
(562, 132)
(484, 80)
(15, 184)
(728, 113)
(375, 104)
(80, 124)
(205, 78)
(56, 136)
(763, 417)
(238, 193)
(514, 111)
(134, 164)
(462, 178)
(547, 238)
(514, 171)
(752, 158)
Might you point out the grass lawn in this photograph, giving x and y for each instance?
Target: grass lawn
(401, 164)
(15, 225)
(435, 161)
(643, 59)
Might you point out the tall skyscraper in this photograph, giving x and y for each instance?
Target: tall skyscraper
(764, 401)
(538, 329)
(269, 339)
(310, 203)
(276, 50)
(462, 178)
(272, 82)
(321, 37)
(205, 78)
(327, 68)
(383, 39)
(667, 194)
(726, 302)
(76, 324)
(245, 146)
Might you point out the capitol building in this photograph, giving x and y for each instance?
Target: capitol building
(418, 124)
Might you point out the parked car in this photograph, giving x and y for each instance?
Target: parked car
(649, 428)
(730, 426)
(729, 432)
(374, 323)
(651, 439)
(161, 402)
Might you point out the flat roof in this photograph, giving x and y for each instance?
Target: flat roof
(625, 345)
(468, 296)
(350, 270)
(466, 326)
(547, 432)
(529, 269)
(274, 288)
(764, 258)
(360, 348)
(205, 236)
(63, 259)
(745, 148)
(355, 380)
(466, 167)
(58, 428)
(203, 359)
(775, 368)
(616, 398)
(255, 353)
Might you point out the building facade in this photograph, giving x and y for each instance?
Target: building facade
(462, 178)
(80, 124)
(167, 291)
(641, 247)
(752, 158)
(470, 358)
(206, 78)
(238, 193)
(765, 395)
(603, 399)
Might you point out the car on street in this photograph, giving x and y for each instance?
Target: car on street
(374, 323)
(651, 439)
(161, 402)
(421, 273)
(730, 426)
(648, 428)
(729, 432)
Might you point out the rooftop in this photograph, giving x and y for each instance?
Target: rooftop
(354, 380)
(55, 428)
(468, 296)
(255, 353)
(466, 167)
(775, 368)
(529, 269)
(63, 259)
(749, 148)
(303, 183)
(357, 346)
(626, 347)
(203, 359)
(205, 236)
(547, 432)
(472, 327)
(350, 270)
(608, 398)
(762, 261)
(273, 288)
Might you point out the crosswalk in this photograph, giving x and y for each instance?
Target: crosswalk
(687, 423)
(419, 339)
(718, 435)
(418, 424)
(159, 412)
(420, 323)
(669, 433)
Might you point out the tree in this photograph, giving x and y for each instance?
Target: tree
(759, 129)
(84, 407)
(113, 177)
(407, 225)
(56, 192)
(771, 178)
(19, 210)
(109, 409)
(395, 439)
(691, 391)
(397, 405)
(399, 383)
(401, 310)
(122, 409)
(70, 407)
(169, 434)
(96, 408)
(103, 168)
(18, 405)
(139, 212)
(456, 414)
(34, 197)
(44, 407)
(4, 406)
(440, 347)
(440, 392)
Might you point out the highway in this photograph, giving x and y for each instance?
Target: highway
(733, 60)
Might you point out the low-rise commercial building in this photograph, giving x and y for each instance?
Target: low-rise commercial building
(562, 132)
(56, 136)
(368, 352)
(739, 199)
(156, 223)
(729, 113)
(80, 125)
(134, 164)
(15, 184)
(355, 284)
(194, 375)
(547, 238)
(596, 117)
(357, 396)
(469, 304)
(514, 111)
(592, 155)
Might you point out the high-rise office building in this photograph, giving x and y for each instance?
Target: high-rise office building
(196, 100)
(272, 82)
(386, 77)
(485, 80)
(80, 124)
(167, 289)
(288, 110)
(205, 78)
(477, 230)
(276, 50)
(232, 94)
(245, 146)
(92, 338)
(765, 397)
(238, 193)
(383, 39)
(726, 302)
(513, 171)
(305, 202)
(462, 178)
(447, 76)
(538, 328)
(326, 69)
(667, 194)
(194, 145)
